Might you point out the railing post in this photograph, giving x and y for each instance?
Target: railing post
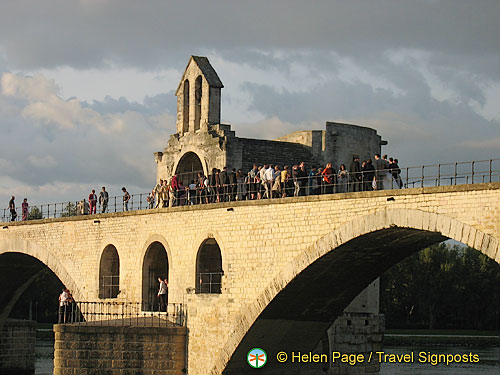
(455, 173)
(472, 170)
(140, 201)
(439, 175)
(422, 181)
(491, 161)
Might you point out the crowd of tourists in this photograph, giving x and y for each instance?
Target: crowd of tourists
(272, 181)
(261, 182)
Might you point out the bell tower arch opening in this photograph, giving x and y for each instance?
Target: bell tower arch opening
(188, 167)
(155, 265)
(198, 92)
(185, 108)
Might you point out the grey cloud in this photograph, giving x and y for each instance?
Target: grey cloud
(81, 34)
(153, 105)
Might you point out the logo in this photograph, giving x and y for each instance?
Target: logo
(257, 358)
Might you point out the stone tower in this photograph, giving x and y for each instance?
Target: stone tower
(198, 97)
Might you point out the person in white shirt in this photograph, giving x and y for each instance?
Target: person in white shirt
(162, 294)
(63, 306)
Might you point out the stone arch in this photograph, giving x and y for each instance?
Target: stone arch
(188, 167)
(155, 263)
(30, 248)
(438, 227)
(109, 273)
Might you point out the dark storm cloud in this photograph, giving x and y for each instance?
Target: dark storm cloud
(92, 33)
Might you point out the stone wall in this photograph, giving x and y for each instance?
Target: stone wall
(100, 350)
(282, 237)
(17, 347)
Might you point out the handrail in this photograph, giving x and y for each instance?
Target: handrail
(472, 172)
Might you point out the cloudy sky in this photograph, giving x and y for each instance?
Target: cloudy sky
(87, 87)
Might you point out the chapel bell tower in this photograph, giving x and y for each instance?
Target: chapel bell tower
(198, 97)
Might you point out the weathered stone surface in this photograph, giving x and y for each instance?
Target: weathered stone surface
(265, 245)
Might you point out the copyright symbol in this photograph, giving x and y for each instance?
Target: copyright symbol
(282, 357)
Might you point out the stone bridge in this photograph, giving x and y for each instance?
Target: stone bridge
(290, 266)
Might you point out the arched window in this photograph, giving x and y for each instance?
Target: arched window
(185, 108)
(209, 268)
(109, 273)
(155, 265)
(197, 110)
(188, 168)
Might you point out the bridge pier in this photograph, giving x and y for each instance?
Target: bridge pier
(110, 349)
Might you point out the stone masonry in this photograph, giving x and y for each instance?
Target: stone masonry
(265, 245)
(17, 347)
(106, 349)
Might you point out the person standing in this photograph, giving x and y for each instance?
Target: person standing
(355, 175)
(232, 185)
(368, 175)
(327, 173)
(12, 208)
(379, 166)
(126, 199)
(162, 293)
(92, 202)
(342, 179)
(103, 200)
(64, 300)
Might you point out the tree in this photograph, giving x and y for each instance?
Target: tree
(69, 210)
(35, 214)
(442, 287)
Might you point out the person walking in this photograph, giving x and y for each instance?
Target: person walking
(12, 208)
(126, 199)
(162, 293)
(25, 209)
(103, 200)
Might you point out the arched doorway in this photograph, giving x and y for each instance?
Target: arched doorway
(155, 265)
(188, 168)
(109, 273)
(209, 268)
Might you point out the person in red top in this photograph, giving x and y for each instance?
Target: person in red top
(92, 202)
(328, 178)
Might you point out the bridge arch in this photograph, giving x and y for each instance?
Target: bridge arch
(18, 245)
(156, 262)
(393, 234)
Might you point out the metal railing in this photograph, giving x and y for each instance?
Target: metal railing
(210, 282)
(121, 314)
(294, 184)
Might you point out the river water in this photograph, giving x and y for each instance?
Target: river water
(489, 360)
